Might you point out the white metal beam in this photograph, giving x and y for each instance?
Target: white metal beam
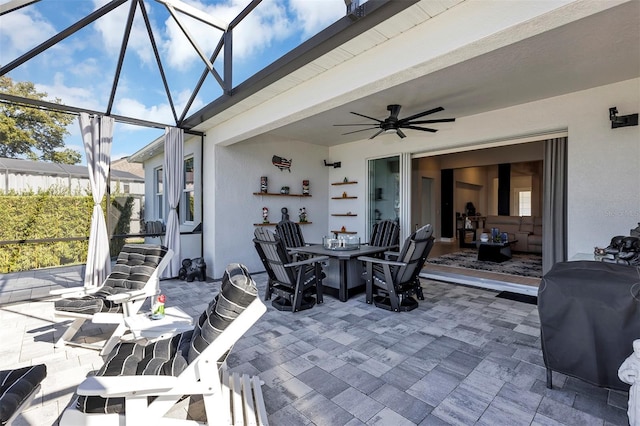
(195, 13)
(12, 5)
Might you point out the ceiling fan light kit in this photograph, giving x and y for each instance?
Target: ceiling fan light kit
(393, 124)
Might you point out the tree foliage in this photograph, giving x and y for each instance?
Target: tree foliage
(30, 132)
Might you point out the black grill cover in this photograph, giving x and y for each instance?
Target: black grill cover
(589, 318)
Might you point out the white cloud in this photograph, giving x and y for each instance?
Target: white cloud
(266, 24)
(156, 113)
(20, 31)
(111, 28)
(83, 97)
(273, 21)
(315, 15)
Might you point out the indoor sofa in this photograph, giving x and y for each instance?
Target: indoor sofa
(526, 230)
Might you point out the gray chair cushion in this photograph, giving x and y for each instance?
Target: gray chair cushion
(171, 356)
(16, 386)
(237, 291)
(135, 265)
(163, 357)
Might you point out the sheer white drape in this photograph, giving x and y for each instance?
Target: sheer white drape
(173, 184)
(97, 136)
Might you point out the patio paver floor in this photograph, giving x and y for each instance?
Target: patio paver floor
(463, 357)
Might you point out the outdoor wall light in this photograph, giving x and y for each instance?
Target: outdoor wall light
(623, 121)
(335, 164)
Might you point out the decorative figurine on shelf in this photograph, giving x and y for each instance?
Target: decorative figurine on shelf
(629, 372)
(344, 194)
(285, 214)
(303, 214)
(305, 187)
(343, 229)
(467, 223)
(346, 179)
(265, 215)
(263, 184)
(284, 190)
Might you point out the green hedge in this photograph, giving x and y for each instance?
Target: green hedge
(47, 215)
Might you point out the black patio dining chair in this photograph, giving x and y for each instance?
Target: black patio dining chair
(385, 234)
(290, 234)
(391, 284)
(293, 282)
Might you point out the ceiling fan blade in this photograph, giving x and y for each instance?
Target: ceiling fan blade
(401, 134)
(394, 110)
(366, 116)
(376, 134)
(356, 124)
(441, 120)
(422, 114)
(424, 129)
(361, 130)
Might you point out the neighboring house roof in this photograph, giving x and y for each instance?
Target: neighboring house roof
(124, 165)
(17, 165)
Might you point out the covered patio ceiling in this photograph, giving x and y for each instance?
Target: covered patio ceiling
(564, 55)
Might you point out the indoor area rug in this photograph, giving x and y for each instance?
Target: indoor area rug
(523, 264)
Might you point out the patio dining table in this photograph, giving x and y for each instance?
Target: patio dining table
(344, 271)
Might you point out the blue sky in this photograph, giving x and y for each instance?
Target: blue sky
(80, 69)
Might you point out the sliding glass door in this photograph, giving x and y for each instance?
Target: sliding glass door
(383, 198)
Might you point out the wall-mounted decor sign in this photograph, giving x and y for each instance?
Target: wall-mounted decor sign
(281, 163)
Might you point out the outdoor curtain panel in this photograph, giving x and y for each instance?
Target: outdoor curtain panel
(174, 183)
(97, 135)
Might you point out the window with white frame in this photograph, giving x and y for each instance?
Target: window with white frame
(159, 190)
(187, 204)
(524, 203)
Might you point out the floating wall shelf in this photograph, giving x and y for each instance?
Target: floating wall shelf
(344, 214)
(274, 194)
(344, 232)
(345, 183)
(343, 198)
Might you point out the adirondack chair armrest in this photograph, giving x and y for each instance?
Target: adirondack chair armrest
(307, 261)
(66, 293)
(128, 296)
(381, 261)
(123, 386)
(388, 254)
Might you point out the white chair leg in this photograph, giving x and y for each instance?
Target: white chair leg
(113, 340)
(69, 332)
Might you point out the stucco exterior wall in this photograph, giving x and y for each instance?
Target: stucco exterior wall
(190, 244)
(230, 203)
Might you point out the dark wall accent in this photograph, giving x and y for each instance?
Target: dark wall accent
(446, 199)
(504, 189)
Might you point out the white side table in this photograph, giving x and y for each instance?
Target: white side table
(175, 321)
